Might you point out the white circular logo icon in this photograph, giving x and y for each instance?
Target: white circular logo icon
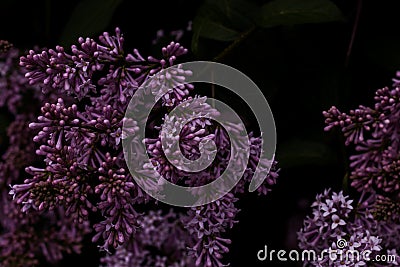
(157, 88)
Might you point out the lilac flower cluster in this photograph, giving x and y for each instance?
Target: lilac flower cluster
(337, 218)
(191, 137)
(79, 168)
(162, 232)
(84, 168)
(373, 135)
(25, 237)
(172, 234)
(207, 223)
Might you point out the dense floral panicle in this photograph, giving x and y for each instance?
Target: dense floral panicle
(121, 219)
(207, 224)
(72, 73)
(353, 124)
(374, 135)
(111, 47)
(191, 136)
(75, 140)
(367, 216)
(160, 232)
(335, 218)
(78, 135)
(54, 69)
(121, 82)
(329, 219)
(26, 237)
(54, 121)
(359, 241)
(256, 162)
(174, 78)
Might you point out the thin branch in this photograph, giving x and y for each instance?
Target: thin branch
(353, 35)
(234, 44)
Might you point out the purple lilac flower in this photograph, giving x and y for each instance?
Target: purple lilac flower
(157, 231)
(81, 144)
(336, 217)
(373, 133)
(26, 237)
(116, 205)
(198, 131)
(207, 224)
(79, 167)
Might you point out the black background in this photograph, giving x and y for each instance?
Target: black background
(302, 70)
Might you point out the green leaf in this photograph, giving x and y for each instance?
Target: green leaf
(195, 37)
(213, 29)
(239, 14)
(88, 18)
(221, 20)
(292, 12)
